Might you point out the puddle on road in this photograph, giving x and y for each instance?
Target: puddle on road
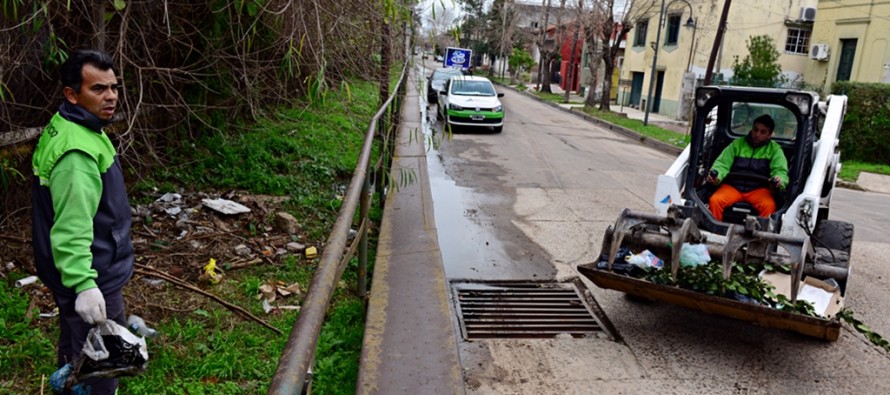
(469, 251)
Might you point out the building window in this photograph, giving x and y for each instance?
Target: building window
(798, 41)
(673, 33)
(640, 35)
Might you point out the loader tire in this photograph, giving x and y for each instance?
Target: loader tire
(838, 236)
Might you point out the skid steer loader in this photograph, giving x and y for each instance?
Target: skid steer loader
(798, 236)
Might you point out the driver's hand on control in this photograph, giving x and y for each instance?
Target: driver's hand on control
(776, 182)
(712, 178)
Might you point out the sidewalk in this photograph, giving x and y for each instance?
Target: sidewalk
(410, 344)
(664, 121)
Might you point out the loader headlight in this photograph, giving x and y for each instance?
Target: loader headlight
(704, 94)
(802, 101)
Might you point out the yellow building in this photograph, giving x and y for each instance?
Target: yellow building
(851, 41)
(687, 37)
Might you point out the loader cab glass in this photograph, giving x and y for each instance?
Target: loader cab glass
(744, 114)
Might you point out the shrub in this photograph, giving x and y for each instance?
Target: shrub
(866, 132)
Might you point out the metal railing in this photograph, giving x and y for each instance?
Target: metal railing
(293, 372)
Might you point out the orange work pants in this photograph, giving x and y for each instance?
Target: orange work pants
(726, 195)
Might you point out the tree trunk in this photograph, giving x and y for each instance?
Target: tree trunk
(545, 80)
(605, 101)
(590, 100)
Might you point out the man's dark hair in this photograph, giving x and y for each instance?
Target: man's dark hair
(72, 69)
(767, 121)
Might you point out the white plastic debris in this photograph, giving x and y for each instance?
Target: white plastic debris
(169, 197)
(25, 281)
(225, 206)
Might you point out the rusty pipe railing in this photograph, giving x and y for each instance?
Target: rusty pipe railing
(299, 353)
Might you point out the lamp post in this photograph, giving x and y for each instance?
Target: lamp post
(689, 23)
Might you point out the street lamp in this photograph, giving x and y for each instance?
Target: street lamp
(689, 23)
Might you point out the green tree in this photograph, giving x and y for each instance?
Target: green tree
(520, 60)
(761, 66)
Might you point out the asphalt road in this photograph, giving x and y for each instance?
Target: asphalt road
(533, 203)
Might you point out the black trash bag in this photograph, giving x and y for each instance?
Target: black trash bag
(110, 351)
(620, 266)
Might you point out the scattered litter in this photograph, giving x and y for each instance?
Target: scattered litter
(138, 325)
(51, 314)
(694, 254)
(289, 290)
(267, 292)
(153, 282)
(169, 198)
(287, 223)
(173, 210)
(268, 307)
(210, 274)
(242, 250)
(25, 281)
(10, 266)
(645, 259)
(225, 206)
(311, 252)
(295, 247)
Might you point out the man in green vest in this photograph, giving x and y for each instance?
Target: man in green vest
(81, 214)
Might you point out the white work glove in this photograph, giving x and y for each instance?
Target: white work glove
(90, 305)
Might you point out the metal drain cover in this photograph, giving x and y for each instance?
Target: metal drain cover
(489, 310)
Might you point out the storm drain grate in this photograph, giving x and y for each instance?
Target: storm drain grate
(522, 310)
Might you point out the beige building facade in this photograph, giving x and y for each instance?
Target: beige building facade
(851, 41)
(687, 36)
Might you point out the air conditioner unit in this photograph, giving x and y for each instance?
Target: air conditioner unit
(807, 14)
(819, 52)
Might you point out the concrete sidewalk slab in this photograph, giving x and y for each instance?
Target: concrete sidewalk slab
(874, 182)
(410, 343)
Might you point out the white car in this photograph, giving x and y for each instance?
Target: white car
(471, 101)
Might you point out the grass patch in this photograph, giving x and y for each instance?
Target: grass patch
(850, 169)
(306, 154)
(653, 131)
(558, 98)
(26, 346)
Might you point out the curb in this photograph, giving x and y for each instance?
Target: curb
(655, 143)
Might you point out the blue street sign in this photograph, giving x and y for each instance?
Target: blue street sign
(458, 57)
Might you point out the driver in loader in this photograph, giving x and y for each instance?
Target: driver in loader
(755, 153)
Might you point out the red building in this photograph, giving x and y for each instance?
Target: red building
(569, 39)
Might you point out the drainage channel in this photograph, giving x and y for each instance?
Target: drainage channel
(508, 309)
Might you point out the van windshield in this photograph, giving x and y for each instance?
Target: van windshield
(472, 88)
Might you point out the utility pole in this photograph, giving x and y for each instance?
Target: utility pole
(718, 42)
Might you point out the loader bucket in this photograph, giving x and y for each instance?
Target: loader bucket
(827, 329)
(665, 235)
